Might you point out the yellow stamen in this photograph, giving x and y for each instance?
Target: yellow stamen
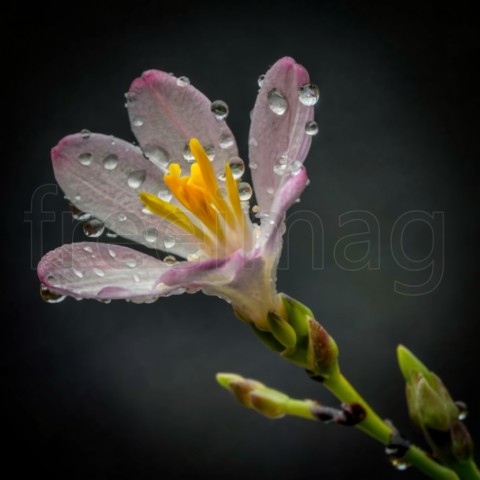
(200, 195)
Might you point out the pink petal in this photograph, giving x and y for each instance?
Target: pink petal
(103, 176)
(274, 135)
(102, 271)
(165, 115)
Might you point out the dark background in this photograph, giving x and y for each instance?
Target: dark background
(128, 391)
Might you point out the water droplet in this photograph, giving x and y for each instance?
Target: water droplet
(237, 167)
(77, 273)
(296, 167)
(122, 217)
(136, 178)
(255, 209)
(270, 190)
(93, 228)
(88, 249)
(226, 140)
(260, 79)
(183, 81)
(112, 253)
(193, 257)
(110, 162)
(210, 151)
(187, 154)
(157, 155)
(85, 134)
(130, 262)
(77, 214)
(399, 464)
(85, 159)
(49, 296)
(245, 191)
(170, 260)
(111, 234)
(308, 94)
(219, 109)
(311, 127)
(165, 195)
(280, 167)
(462, 410)
(77, 197)
(150, 235)
(277, 101)
(136, 278)
(253, 166)
(146, 211)
(99, 272)
(137, 122)
(169, 241)
(252, 142)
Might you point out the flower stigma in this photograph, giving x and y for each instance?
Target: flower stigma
(214, 217)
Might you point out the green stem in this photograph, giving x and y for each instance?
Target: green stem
(377, 428)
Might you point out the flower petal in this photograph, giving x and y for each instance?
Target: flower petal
(165, 113)
(103, 176)
(278, 143)
(102, 271)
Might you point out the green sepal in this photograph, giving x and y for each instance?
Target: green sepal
(268, 339)
(282, 330)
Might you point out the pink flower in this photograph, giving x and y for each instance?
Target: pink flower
(202, 216)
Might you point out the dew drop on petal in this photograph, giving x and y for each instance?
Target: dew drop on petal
(252, 142)
(77, 214)
(110, 162)
(150, 235)
(277, 102)
(77, 197)
(136, 278)
(85, 159)
(50, 297)
(165, 195)
(210, 151)
(187, 154)
(85, 134)
(296, 167)
(270, 190)
(98, 272)
(121, 217)
(136, 178)
(111, 234)
(137, 122)
(130, 262)
(245, 191)
(308, 94)
(88, 249)
(169, 241)
(226, 140)
(157, 155)
(170, 260)
(462, 410)
(93, 228)
(219, 109)
(112, 253)
(131, 98)
(311, 127)
(77, 273)
(280, 167)
(237, 167)
(260, 79)
(253, 166)
(183, 81)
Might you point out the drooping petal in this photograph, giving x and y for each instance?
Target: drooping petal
(102, 271)
(166, 112)
(103, 176)
(278, 143)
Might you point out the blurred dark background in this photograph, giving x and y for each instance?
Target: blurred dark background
(127, 391)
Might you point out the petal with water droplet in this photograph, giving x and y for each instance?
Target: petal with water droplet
(103, 275)
(275, 135)
(111, 195)
(172, 116)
